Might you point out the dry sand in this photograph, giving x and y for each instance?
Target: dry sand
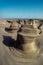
(7, 57)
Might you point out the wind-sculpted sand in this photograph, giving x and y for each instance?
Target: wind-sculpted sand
(11, 53)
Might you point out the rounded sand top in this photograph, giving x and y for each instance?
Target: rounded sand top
(14, 25)
(29, 31)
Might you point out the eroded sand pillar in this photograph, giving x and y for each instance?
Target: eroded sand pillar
(29, 41)
(14, 28)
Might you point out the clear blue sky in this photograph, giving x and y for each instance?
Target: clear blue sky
(21, 8)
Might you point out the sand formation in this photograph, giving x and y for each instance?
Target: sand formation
(21, 42)
(26, 34)
(29, 35)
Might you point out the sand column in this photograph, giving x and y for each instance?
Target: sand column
(27, 38)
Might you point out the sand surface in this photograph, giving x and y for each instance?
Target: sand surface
(8, 57)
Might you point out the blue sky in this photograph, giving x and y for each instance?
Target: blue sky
(21, 8)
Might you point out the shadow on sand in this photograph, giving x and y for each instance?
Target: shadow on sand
(8, 29)
(8, 41)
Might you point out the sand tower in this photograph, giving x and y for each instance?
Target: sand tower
(13, 29)
(27, 38)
